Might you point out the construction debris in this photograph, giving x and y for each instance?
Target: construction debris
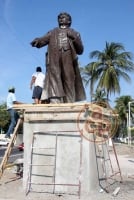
(116, 191)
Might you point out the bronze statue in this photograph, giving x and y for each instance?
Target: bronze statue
(63, 82)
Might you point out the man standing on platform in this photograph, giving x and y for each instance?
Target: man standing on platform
(37, 80)
(14, 116)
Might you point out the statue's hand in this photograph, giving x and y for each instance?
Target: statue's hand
(34, 43)
(71, 35)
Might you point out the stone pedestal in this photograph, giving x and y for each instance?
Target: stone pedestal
(62, 160)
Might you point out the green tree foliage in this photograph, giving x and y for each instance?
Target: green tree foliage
(112, 64)
(99, 96)
(4, 117)
(88, 77)
(122, 109)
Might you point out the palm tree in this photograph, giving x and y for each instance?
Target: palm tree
(122, 109)
(88, 78)
(112, 64)
(99, 96)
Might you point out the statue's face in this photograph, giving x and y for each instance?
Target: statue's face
(64, 20)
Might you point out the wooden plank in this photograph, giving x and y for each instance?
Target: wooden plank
(24, 106)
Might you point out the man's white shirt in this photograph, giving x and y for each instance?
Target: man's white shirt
(39, 81)
(10, 99)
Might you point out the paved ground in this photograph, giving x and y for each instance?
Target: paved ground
(11, 188)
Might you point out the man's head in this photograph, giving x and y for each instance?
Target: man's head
(64, 19)
(38, 69)
(11, 89)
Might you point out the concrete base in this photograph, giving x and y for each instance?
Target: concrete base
(61, 160)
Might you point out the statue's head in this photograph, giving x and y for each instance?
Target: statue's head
(64, 20)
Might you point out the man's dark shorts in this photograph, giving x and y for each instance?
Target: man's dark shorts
(37, 91)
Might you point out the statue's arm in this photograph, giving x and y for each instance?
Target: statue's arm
(76, 41)
(42, 41)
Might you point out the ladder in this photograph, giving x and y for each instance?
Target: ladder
(9, 148)
(36, 151)
(107, 174)
(50, 182)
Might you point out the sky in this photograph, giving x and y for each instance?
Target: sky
(21, 21)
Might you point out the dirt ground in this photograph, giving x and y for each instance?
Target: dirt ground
(11, 187)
